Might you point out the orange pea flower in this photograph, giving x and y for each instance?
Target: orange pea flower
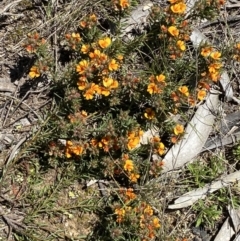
(82, 66)
(161, 78)
(133, 177)
(107, 82)
(113, 65)
(128, 166)
(173, 31)
(76, 37)
(156, 223)
(215, 55)
(181, 45)
(34, 72)
(85, 48)
(178, 8)
(201, 94)
(133, 142)
(161, 148)
(205, 52)
(153, 89)
(124, 4)
(104, 43)
(178, 129)
(184, 90)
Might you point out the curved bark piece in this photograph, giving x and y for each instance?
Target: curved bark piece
(191, 197)
(196, 134)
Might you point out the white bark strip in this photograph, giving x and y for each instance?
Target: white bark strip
(196, 134)
(191, 197)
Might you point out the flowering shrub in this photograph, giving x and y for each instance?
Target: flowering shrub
(109, 106)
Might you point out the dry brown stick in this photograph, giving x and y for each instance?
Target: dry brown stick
(14, 98)
(228, 20)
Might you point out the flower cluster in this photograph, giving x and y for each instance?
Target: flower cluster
(37, 70)
(121, 213)
(134, 138)
(157, 84)
(142, 215)
(96, 69)
(148, 222)
(105, 143)
(73, 149)
(182, 95)
(34, 42)
(130, 169)
(127, 195)
(36, 45)
(74, 40)
(120, 4)
(175, 29)
(214, 64)
(88, 22)
(158, 146)
(178, 132)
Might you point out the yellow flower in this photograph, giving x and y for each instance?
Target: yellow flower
(120, 212)
(215, 55)
(156, 223)
(104, 91)
(82, 66)
(107, 82)
(120, 57)
(133, 142)
(85, 48)
(34, 72)
(128, 166)
(161, 148)
(93, 18)
(81, 85)
(148, 210)
(130, 194)
(83, 24)
(114, 85)
(95, 55)
(178, 129)
(155, 139)
(103, 57)
(113, 65)
(178, 8)
(84, 113)
(153, 89)
(76, 37)
(77, 150)
(173, 31)
(214, 67)
(184, 90)
(181, 45)
(214, 76)
(149, 114)
(104, 43)
(201, 94)
(161, 78)
(205, 52)
(124, 4)
(133, 177)
(89, 94)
